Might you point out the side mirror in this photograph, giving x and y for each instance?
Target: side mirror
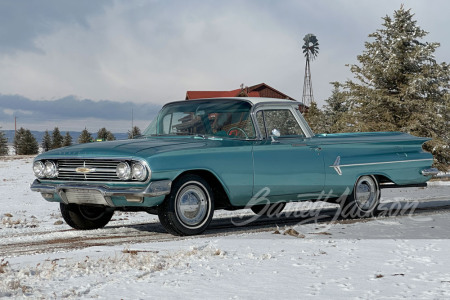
(275, 134)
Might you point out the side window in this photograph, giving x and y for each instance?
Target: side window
(260, 121)
(281, 119)
(166, 124)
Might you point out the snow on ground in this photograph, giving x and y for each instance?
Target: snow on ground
(386, 258)
(254, 266)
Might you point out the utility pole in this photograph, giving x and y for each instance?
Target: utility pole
(132, 124)
(15, 133)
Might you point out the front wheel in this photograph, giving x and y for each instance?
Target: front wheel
(189, 208)
(85, 217)
(364, 200)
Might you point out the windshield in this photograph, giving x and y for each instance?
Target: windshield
(221, 118)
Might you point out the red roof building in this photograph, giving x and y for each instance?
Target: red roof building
(259, 90)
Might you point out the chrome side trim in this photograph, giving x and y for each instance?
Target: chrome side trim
(387, 162)
(154, 189)
(337, 164)
(430, 172)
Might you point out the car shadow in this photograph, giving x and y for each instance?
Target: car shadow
(242, 223)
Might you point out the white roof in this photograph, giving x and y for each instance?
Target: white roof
(253, 100)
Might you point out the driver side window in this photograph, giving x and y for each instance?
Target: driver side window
(281, 119)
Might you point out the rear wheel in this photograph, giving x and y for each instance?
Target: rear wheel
(364, 200)
(189, 208)
(85, 217)
(269, 210)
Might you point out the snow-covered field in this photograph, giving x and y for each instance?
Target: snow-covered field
(384, 258)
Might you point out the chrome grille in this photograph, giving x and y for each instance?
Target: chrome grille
(101, 170)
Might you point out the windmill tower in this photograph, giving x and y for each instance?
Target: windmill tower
(310, 49)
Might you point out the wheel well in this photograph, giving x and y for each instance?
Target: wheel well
(382, 179)
(221, 199)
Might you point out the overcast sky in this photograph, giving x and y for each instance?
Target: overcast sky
(152, 52)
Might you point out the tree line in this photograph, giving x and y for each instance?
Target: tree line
(26, 144)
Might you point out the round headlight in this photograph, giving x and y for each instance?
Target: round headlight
(38, 169)
(123, 171)
(139, 171)
(50, 169)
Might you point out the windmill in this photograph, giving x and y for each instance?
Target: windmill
(310, 49)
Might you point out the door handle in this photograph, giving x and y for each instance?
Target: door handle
(315, 148)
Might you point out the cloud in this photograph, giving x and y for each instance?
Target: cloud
(21, 22)
(154, 51)
(74, 113)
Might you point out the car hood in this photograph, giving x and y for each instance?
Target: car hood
(128, 148)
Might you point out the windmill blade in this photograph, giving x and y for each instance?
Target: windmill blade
(311, 46)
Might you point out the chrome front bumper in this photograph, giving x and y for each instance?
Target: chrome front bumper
(99, 194)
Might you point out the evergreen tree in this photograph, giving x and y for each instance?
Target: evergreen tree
(110, 136)
(3, 144)
(57, 138)
(18, 139)
(46, 141)
(67, 140)
(85, 137)
(337, 112)
(25, 143)
(315, 118)
(399, 86)
(134, 133)
(105, 135)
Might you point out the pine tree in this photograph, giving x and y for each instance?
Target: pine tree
(399, 86)
(134, 133)
(67, 140)
(25, 143)
(85, 137)
(57, 138)
(110, 136)
(46, 141)
(18, 140)
(337, 111)
(105, 135)
(3, 144)
(315, 118)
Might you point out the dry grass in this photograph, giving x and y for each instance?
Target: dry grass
(15, 157)
(3, 265)
(293, 232)
(135, 252)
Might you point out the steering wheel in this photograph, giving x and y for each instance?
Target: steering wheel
(236, 129)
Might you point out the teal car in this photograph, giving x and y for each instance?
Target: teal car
(227, 153)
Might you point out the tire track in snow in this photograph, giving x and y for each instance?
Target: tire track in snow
(70, 239)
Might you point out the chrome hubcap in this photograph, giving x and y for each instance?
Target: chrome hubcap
(366, 193)
(192, 205)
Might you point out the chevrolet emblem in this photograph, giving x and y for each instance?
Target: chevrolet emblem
(84, 170)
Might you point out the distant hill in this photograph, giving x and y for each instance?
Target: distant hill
(75, 134)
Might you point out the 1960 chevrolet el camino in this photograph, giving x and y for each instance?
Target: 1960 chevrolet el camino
(207, 154)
